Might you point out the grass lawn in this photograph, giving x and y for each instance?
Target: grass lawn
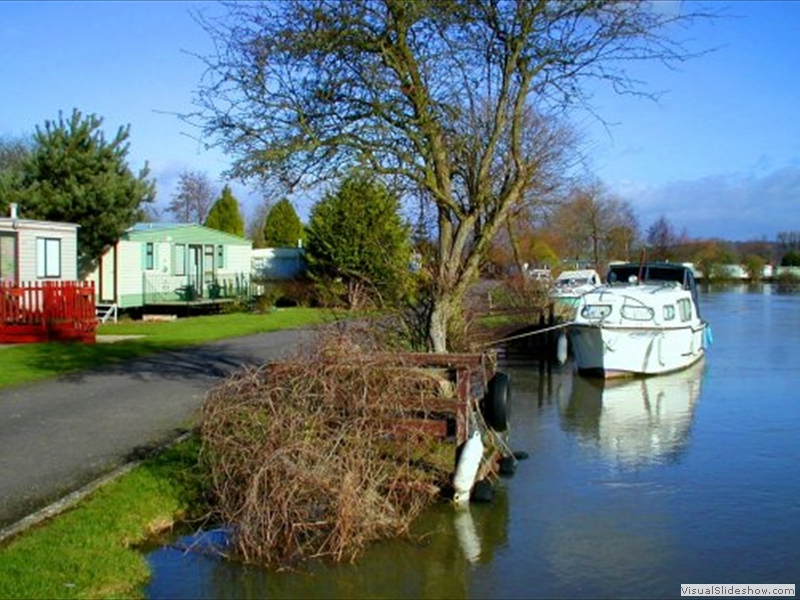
(89, 551)
(32, 362)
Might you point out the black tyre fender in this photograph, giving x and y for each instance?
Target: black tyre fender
(496, 405)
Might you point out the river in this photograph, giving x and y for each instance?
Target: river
(628, 491)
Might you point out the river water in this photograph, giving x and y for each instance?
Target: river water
(628, 491)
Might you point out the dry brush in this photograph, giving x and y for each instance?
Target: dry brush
(317, 456)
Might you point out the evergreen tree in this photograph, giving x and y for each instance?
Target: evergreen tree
(225, 215)
(357, 240)
(14, 152)
(74, 174)
(282, 227)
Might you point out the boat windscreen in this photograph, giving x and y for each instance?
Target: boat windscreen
(623, 273)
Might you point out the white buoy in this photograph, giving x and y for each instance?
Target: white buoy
(561, 348)
(467, 467)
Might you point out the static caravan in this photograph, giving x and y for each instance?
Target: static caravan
(40, 297)
(277, 264)
(167, 263)
(37, 251)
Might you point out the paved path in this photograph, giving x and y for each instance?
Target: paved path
(59, 435)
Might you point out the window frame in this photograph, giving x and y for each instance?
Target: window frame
(48, 258)
(149, 256)
(596, 312)
(634, 312)
(685, 309)
(179, 261)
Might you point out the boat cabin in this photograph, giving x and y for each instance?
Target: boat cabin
(581, 278)
(653, 273)
(650, 272)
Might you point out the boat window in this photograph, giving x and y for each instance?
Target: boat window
(637, 313)
(669, 312)
(596, 311)
(571, 282)
(685, 308)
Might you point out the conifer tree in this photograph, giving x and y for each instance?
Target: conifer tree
(358, 241)
(225, 215)
(74, 174)
(282, 227)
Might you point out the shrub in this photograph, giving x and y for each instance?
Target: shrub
(306, 458)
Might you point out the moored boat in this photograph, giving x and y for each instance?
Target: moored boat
(645, 320)
(569, 286)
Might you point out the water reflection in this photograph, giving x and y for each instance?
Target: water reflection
(715, 501)
(635, 422)
(445, 547)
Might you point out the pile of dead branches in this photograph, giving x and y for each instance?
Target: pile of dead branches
(308, 457)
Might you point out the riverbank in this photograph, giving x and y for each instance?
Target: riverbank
(90, 550)
(101, 530)
(86, 425)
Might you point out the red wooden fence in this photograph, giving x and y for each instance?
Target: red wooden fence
(48, 311)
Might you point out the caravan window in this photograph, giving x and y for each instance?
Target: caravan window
(149, 256)
(8, 257)
(48, 258)
(179, 259)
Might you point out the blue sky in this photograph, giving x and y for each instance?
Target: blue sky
(718, 155)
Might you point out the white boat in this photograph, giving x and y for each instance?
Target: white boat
(569, 286)
(645, 320)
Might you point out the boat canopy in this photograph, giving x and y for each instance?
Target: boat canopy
(578, 277)
(653, 272)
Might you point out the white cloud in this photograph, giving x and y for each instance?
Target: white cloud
(726, 206)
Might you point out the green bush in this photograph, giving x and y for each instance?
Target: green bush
(791, 259)
(283, 294)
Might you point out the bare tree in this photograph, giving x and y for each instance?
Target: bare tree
(595, 226)
(194, 197)
(254, 229)
(439, 96)
(14, 152)
(788, 241)
(661, 239)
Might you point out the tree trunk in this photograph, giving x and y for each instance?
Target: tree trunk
(437, 328)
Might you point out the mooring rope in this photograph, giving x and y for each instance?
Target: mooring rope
(529, 333)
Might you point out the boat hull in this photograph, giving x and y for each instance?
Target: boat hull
(609, 351)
